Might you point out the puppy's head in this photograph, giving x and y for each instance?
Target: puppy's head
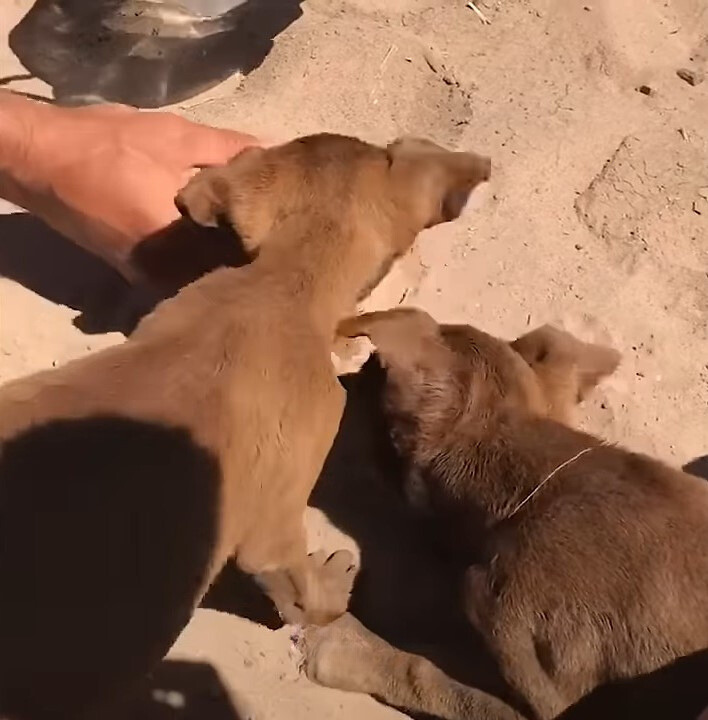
(340, 187)
(441, 373)
(431, 185)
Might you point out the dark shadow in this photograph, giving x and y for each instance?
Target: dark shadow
(106, 529)
(55, 268)
(51, 266)
(141, 53)
(180, 690)
(184, 252)
(237, 593)
(698, 467)
(676, 692)
(408, 589)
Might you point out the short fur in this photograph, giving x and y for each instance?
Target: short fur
(129, 477)
(587, 563)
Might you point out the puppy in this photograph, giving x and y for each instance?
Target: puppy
(587, 563)
(129, 477)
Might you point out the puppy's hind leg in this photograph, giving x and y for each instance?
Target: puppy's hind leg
(522, 670)
(511, 642)
(346, 656)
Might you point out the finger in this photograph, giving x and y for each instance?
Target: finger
(204, 146)
(108, 109)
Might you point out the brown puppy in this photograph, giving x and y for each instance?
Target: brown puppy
(128, 478)
(587, 563)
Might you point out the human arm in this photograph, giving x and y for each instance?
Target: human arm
(104, 176)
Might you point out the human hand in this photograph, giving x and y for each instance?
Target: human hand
(105, 176)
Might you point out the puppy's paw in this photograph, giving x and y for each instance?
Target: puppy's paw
(341, 655)
(315, 592)
(327, 596)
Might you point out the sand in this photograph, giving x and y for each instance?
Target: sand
(596, 219)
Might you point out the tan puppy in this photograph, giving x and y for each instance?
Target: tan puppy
(587, 563)
(128, 478)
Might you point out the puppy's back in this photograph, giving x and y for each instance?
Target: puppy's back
(620, 541)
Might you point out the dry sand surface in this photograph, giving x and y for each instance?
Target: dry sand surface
(596, 218)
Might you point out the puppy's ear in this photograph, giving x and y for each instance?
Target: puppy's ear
(238, 193)
(204, 199)
(395, 333)
(417, 361)
(398, 335)
(560, 359)
(434, 184)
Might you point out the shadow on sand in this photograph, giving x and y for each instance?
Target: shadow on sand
(42, 260)
(407, 590)
(698, 467)
(180, 690)
(107, 525)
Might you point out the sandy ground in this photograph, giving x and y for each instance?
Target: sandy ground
(597, 219)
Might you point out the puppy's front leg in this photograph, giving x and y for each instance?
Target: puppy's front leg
(306, 589)
(346, 656)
